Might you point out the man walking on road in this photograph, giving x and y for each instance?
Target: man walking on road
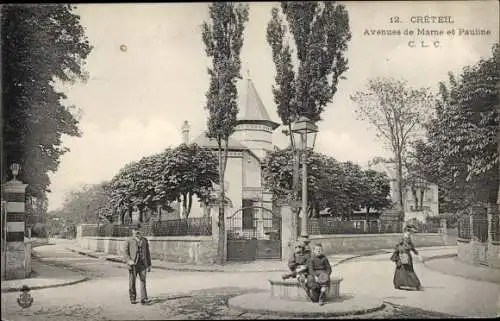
(139, 263)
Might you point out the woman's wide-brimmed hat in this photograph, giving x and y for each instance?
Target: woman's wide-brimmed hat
(410, 228)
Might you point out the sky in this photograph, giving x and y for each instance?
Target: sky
(135, 101)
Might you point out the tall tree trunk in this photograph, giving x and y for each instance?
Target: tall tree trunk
(422, 193)
(399, 181)
(141, 214)
(415, 197)
(221, 223)
(295, 183)
(190, 204)
(184, 205)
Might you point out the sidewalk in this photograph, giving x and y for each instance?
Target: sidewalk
(255, 266)
(453, 266)
(44, 276)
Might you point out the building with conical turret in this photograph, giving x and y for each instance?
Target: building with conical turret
(252, 139)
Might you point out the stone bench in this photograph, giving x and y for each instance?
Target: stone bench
(291, 289)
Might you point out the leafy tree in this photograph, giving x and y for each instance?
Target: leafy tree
(397, 112)
(320, 32)
(375, 191)
(461, 151)
(194, 170)
(41, 44)
(145, 184)
(223, 39)
(335, 187)
(86, 204)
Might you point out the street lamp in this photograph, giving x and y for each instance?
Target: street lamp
(307, 130)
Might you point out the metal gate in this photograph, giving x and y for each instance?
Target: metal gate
(253, 233)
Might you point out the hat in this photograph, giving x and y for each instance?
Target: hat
(410, 228)
(299, 244)
(305, 239)
(135, 226)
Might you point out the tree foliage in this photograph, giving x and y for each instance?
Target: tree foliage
(461, 150)
(337, 188)
(320, 31)
(41, 44)
(192, 170)
(223, 39)
(158, 180)
(86, 204)
(397, 112)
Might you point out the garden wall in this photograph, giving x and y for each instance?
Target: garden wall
(476, 253)
(352, 243)
(182, 249)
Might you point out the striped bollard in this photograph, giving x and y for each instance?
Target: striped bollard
(18, 247)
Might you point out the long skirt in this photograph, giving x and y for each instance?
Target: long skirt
(405, 276)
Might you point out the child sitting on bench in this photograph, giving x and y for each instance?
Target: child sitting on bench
(319, 275)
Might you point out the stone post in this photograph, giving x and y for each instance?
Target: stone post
(444, 231)
(215, 227)
(473, 242)
(288, 230)
(18, 247)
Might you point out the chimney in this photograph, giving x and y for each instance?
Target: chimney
(185, 132)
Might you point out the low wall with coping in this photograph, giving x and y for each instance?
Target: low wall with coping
(182, 249)
(351, 243)
(479, 253)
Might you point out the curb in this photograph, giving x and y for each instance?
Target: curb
(39, 287)
(195, 269)
(82, 253)
(380, 305)
(442, 256)
(445, 256)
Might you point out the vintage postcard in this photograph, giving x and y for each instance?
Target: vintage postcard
(250, 160)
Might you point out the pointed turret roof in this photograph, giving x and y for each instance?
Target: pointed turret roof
(252, 109)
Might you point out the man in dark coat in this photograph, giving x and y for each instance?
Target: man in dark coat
(139, 263)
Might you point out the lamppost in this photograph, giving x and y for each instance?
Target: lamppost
(307, 130)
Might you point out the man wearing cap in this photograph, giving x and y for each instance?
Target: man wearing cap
(139, 263)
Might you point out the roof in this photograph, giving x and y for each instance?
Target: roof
(252, 110)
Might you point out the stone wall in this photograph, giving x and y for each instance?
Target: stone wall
(470, 252)
(352, 243)
(182, 249)
(17, 260)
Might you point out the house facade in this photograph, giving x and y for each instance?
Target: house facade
(419, 201)
(249, 206)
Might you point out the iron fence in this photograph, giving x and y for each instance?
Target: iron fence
(464, 228)
(428, 227)
(182, 227)
(495, 228)
(328, 225)
(179, 227)
(480, 228)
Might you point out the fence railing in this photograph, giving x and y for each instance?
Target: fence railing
(180, 227)
(464, 228)
(428, 227)
(328, 225)
(480, 228)
(495, 228)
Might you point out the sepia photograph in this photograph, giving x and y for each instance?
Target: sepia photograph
(250, 160)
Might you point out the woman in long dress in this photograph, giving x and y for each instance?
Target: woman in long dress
(405, 276)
